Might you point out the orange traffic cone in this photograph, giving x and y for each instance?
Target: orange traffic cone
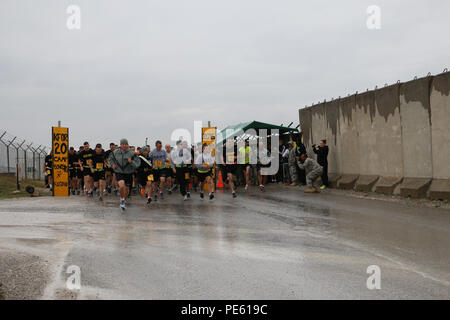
(219, 180)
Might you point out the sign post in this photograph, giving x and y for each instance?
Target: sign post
(60, 159)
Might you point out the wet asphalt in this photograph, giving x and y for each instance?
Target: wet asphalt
(281, 244)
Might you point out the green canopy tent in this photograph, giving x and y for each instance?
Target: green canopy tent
(239, 131)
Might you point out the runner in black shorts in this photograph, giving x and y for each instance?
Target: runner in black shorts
(80, 174)
(48, 169)
(159, 157)
(86, 159)
(145, 173)
(124, 162)
(229, 163)
(73, 164)
(98, 169)
(109, 172)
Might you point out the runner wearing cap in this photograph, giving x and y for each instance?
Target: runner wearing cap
(124, 162)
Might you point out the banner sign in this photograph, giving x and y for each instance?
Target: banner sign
(209, 137)
(60, 158)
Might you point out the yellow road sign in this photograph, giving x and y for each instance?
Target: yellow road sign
(60, 158)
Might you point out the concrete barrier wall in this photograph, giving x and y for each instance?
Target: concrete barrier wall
(440, 126)
(399, 131)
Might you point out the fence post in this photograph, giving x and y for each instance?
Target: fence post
(34, 160)
(19, 146)
(7, 145)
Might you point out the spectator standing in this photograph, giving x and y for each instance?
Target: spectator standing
(322, 158)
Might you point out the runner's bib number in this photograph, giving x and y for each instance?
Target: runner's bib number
(150, 177)
(99, 166)
(158, 164)
(186, 175)
(48, 172)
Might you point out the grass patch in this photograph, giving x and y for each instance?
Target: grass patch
(8, 187)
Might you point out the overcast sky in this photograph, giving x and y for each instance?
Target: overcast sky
(140, 69)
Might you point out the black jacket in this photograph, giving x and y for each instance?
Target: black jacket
(322, 154)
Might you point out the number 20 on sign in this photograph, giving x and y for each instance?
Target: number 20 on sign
(60, 158)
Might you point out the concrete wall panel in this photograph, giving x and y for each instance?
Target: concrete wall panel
(319, 124)
(331, 128)
(306, 125)
(347, 139)
(440, 125)
(416, 131)
(386, 156)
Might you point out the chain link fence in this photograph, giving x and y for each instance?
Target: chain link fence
(21, 156)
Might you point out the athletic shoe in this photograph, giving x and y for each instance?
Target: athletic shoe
(261, 187)
(78, 192)
(100, 199)
(122, 204)
(322, 187)
(188, 195)
(246, 187)
(161, 195)
(149, 200)
(156, 197)
(169, 192)
(185, 197)
(234, 194)
(211, 196)
(202, 195)
(310, 190)
(293, 184)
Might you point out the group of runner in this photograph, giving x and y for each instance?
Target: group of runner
(122, 169)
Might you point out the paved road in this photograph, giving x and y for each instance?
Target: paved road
(277, 245)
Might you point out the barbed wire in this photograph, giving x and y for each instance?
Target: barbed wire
(18, 153)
